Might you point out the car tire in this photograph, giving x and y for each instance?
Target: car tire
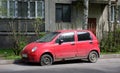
(46, 59)
(93, 57)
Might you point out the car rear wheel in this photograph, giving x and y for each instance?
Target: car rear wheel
(93, 57)
(46, 60)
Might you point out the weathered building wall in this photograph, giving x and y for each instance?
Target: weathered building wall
(50, 23)
(102, 23)
(96, 10)
(22, 25)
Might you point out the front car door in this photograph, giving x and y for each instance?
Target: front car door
(67, 48)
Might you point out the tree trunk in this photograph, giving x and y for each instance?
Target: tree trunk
(86, 8)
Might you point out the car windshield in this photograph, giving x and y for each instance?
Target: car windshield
(48, 37)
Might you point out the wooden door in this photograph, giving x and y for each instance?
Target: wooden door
(92, 25)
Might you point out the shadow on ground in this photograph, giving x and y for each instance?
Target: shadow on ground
(19, 62)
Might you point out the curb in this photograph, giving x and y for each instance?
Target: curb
(107, 56)
(4, 62)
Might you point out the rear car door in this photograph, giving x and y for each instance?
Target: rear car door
(67, 48)
(84, 43)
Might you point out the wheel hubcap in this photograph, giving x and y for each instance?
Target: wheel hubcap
(46, 60)
(93, 58)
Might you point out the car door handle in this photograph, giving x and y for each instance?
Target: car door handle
(90, 42)
(72, 43)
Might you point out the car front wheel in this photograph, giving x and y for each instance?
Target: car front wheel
(93, 57)
(46, 60)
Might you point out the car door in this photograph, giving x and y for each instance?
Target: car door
(84, 43)
(67, 48)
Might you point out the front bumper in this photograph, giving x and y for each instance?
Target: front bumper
(29, 57)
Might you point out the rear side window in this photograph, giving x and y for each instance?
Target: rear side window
(67, 37)
(83, 36)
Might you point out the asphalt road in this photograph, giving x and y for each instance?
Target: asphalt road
(75, 66)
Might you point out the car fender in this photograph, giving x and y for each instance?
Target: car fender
(44, 51)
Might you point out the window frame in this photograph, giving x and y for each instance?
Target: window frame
(15, 14)
(119, 14)
(62, 10)
(19, 12)
(2, 14)
(112, 13)
(59, 38)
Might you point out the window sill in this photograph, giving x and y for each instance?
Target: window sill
(62, 22)
(19, 18)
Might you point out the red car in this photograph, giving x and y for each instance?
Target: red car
(62, 44)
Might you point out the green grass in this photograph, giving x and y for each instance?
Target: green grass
(110, 52)
(8, 54)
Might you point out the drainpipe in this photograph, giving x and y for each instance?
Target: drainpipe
(115, 22)
(116, 15)
(85, 18)
(109, 25)
(109, 15)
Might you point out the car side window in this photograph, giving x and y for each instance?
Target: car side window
(83, 36)
(66, 37)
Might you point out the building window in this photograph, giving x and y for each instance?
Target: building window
(22, 9)
(12, 9)
(63, 12)
(112, 13)
(3, 8)
(39, 9)
(119, 13)
(32, 9)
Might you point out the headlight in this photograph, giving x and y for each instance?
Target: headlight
(34, 49)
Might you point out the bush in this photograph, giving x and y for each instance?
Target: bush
(111, 42)
(19, 44)
(20, 36)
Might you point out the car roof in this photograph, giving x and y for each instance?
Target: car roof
(72, 30)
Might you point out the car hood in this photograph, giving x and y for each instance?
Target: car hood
(30, 46)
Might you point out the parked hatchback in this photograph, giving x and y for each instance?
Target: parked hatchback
(62, 44)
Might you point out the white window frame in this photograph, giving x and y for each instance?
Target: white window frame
(29, 9)
(15, 13)
(36, 9)
(16, 6)
(2, 16)
(0, 8)
(8, 8)
(16, 10)
(112, 13)
(41, 9)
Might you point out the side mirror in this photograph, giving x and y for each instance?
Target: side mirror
(60, 41)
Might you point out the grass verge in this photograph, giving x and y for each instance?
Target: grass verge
(102, 53)
(8, 54)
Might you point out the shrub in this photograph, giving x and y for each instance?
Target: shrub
(21, 38)
(111, 42)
